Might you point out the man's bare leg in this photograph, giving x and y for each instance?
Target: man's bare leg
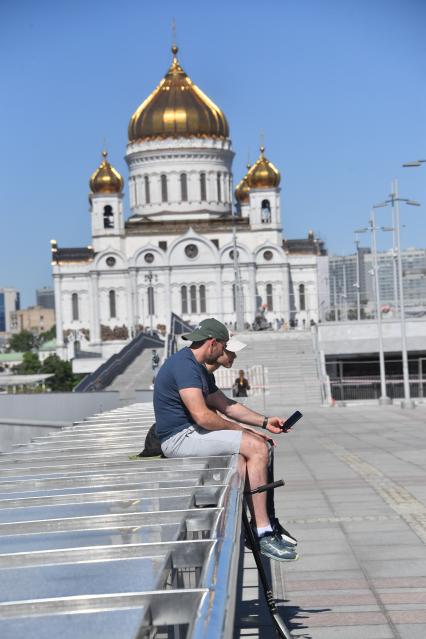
(256, 453)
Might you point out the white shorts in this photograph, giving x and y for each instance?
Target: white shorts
(195, 441)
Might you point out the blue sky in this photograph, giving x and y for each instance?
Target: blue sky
(337, 86)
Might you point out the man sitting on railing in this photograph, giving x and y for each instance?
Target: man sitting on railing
(185, 403)
(227, 360)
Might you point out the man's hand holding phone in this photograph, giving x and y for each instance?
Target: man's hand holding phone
(291, 421)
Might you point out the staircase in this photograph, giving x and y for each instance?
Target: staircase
(138, 375)
(290, 370)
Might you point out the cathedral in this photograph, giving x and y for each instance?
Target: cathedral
(184, 245)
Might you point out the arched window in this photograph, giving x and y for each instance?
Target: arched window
(74, 305)
(203, 188)
(269, 297)
(112, 305)
(184, 299)
(164, 194)
(151, 305)
(147, 191)
(202, 292)
(302, 302)
(183, 187)
(266, 212)
(219, 187)
(193, 297)
(108, 217)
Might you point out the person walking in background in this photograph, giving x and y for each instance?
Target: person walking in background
(241, 385)
(155, 365)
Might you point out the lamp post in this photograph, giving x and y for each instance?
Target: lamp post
(357, 284)
(383, 399)
(149, 278)
(394, 201)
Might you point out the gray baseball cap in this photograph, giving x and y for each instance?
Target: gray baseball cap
(207, 329)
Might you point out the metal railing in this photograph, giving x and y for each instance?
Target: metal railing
(368, 387)
(92, 540)
(323, 378)
(178, 326)
(105, 374)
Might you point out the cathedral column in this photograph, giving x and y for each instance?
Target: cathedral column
(58, 311)
(167, 295)
(129, 305)
(252, 289)
(95, 328)
(134, 299)
(219, 291)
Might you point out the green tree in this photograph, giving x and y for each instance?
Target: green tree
(30, 364)
(64, 379)
(47, 335)
(22, 342)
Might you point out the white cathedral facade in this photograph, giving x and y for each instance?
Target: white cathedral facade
(175, 252)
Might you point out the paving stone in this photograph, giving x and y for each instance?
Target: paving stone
(411, 631)
(355, 490)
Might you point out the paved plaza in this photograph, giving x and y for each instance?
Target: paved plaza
(355, 497)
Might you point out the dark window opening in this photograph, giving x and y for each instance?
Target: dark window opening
(147, 190)
(151, 305)
(164, 194)
(184, 187)
(202, 298)
(269, 297)
(302, 301)
(162, 245)
(184, 299)
(112, 305)
(266, 212)
(193, 297)
(203, 187)
(219, 188)
(74, 304)
(108, 217)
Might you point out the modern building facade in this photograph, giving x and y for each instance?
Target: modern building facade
(184, 245)
(343, 283)
(45, 297)
(9, 302)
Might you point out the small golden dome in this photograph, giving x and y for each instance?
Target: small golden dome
(263, 174)
(242, 190)
(106, 179)
(177, 108)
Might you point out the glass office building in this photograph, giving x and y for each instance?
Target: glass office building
(9, 301)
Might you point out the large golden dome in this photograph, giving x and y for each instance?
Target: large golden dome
(106, 179)
(177, 108)
(263, 174)
(242, 190)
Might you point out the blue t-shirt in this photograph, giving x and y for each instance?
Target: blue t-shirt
(180, 371)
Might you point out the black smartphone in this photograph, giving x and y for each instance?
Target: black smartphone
(292, 420)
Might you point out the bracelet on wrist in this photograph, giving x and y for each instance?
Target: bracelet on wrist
(265, 422)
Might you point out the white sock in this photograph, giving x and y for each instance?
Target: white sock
(264, 529)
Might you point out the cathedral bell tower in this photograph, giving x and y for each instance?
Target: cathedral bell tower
(106, 205)
(263, 180)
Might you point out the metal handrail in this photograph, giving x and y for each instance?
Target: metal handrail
(116, 364)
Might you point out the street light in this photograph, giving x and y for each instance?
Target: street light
(357, 284)
(394, 201)
(383, 399)
(150, 277)
(415, 163)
